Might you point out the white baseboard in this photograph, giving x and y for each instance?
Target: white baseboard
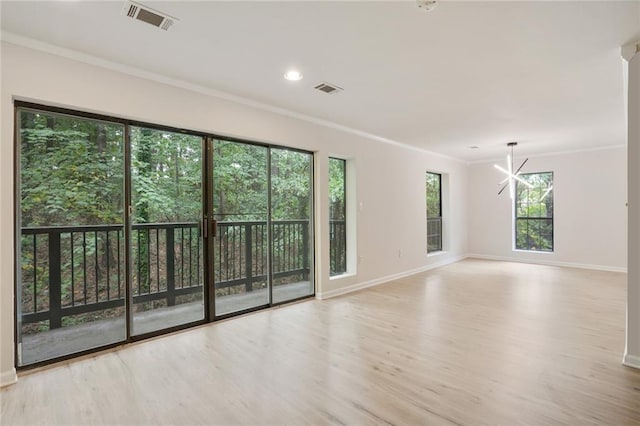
(8, 377)
(631, 361)
(550, 263)
(382, 280)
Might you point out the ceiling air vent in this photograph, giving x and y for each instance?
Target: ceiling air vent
(328, 88)
(146, 14)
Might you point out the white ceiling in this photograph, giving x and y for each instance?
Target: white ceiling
(545, 74)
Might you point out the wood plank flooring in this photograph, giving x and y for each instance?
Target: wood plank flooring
(476, 342)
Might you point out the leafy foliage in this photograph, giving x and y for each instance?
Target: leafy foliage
(291, 180)
(337, 191)
(166, 171)
(71, 171)
(240, 181)
(434, 204)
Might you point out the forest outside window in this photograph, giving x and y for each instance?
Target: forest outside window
(434, 212)
(534, 212)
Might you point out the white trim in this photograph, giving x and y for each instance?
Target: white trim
(342, 276)
(631, 361)
(550, 263)
(437, 253)
(41, 46)
(537, 252)
(8, 377)
(382, 280)
(554, 153)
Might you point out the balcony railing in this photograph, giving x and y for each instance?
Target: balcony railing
(69, 271)
(337, 247)
(434, 234)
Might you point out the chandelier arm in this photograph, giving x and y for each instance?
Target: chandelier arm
(521, 166)
(512, 176)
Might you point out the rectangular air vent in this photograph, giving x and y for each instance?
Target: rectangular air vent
(146, 14)
(328, 88)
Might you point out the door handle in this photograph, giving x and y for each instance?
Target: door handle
(214, 228)
(202, 224)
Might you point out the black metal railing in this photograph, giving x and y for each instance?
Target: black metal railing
(241, 253)
(337, 247)
(69, 271)
(434, 234)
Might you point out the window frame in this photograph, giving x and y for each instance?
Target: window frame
(344, 261)
(539, 219)
(439, 247)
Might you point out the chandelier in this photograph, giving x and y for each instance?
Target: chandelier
(512, 176)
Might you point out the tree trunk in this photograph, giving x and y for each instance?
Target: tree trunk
(142, 210)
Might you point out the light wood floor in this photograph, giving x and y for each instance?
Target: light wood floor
(476, 342)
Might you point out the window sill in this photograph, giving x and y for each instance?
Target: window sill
(532, 251)
(341, 276)
(437, 253)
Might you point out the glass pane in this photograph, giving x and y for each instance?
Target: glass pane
(546, 234)
(434, 212)
(240, 205)
(434, 234)
(337, 217)
(291, 198)
(434, 205)
(522, 200)
(167, 252)
(71, 284)
(534, 212)
(521, 234)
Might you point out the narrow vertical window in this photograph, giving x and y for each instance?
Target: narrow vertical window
(534, 212)
(434, 212)
(337, 216)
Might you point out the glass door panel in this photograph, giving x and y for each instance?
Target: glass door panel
(71, 255)
(292, 230)
(166, 245)
(240, 208)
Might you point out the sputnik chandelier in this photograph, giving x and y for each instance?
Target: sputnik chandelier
(512, 176)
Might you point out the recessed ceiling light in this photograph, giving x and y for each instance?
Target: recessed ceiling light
(474, 147)
(293, 75)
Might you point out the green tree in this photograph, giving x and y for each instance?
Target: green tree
(534, 212)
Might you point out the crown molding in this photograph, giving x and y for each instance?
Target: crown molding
(75, 55)
(554, 153)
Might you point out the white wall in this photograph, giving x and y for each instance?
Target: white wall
(590, 217)
(389, 178)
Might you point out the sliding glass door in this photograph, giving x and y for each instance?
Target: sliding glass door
(292, 230)
(167, 267)
(70, 235)
(262, 207)
(241, 213)
(125, 230)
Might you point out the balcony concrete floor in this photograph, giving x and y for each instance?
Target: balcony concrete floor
(68, 340)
